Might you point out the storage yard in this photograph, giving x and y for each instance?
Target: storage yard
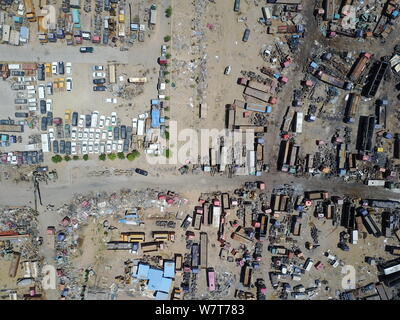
(211, 150)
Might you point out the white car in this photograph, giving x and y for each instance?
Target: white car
(111, 100)
(108, 120)
(110, 134)
(96, 147)
(163, 49)
(102, 147)
(49, 104)
(108, 147)
(95, 117)
(98, 133)
(54, 67)
(84, 147)
(80, 134)
(51, 134)
(104, 135)
(73, 148)
(81, 121)
(73, 133)
(68, 67)
(143, 116)
(134, 123)
(91, 133)
(114, 146)
(85, 134)
(99, 74)
(98, 68)
(113, 118)
(90, 147)
(101, 122)
(120, 146)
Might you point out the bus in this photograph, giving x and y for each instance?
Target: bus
(147, 247)
(359, 66)
(14, 264)
(247, 272)
(132, 236)
(111, 73)
(263, 226)
(195, 255)
(211, 279)
(178, 262)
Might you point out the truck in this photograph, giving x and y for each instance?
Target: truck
(260, 95)
(137, 80)
(258, 108)
(352, 107)
(11, 128)
(284, 29)
(51, 237)
(298, 122)
(153, 14)
(30, 11)
(359, 66)
(334, 81)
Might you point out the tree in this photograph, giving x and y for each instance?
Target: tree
(67, 158)
(75, 157)
(166, 135)
(167, 153)
(103, 157)
(85, 157)
(56, 159)
(168, 55)
(121, 155)
(167, 38)
(168, 12)
(167, 98)
(166, 73)
(112, 156)
(166, 80)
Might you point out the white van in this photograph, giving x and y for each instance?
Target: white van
(95, 117)
(308, 264)
(41, 92)
(354, 236)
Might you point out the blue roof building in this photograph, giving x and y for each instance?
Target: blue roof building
(143, 271)
(155, 117)
(169, 269)
(155, 277)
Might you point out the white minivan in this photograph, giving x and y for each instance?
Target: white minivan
(354, 236)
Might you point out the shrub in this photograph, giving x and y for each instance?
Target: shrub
(133, 155)
(167, 38)
(112, 156)
(166, 80)
(75, 158)
(56, 159)
(85, 157)
(168, 55)
(166, 135)
(121, 155)
(67, 158)
(168, 12)
(103, 157)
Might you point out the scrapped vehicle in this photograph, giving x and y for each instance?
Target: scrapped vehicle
(99, 81)
(99, 88)
(246, 35)
(74, 119)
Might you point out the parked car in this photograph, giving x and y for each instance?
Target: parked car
(88, 120)
(111, 100)
(54, 67)
(113, 118)
(116, 133)
(99, 88)
(69, 84)
(55, 146)
(246, 35)
(98, 68)
(49, 88)
(61, 67)
(81, 121)
(99, 81)
(99, 74)
(68, 67)
(86, 49)
(62, 146)
(123, 132)
(49, 118)
(68, 147)
(74, 121)
(142, 172)
(42, 104)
